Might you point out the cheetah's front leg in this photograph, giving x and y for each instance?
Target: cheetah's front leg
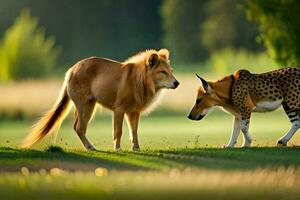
(246, 109)
(237, 126)
(236, 129)
(245, 130)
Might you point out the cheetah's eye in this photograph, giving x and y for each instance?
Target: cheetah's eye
(198, 101)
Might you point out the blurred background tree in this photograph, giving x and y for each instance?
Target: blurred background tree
(196, 32)
(212, 38)
(182, 21)
(226, 26)
(25, 52)
(109, 28)
(279, 25)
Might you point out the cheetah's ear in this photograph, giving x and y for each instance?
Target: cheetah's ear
(204, 83)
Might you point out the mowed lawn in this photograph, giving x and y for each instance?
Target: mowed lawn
(180, 159)
(258, 173)
(158, 131)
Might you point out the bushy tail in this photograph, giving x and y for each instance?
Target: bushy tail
(52, 119)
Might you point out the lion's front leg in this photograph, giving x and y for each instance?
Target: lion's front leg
(132, 121)
(118, 124)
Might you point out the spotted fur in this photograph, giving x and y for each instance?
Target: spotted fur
(279, 85)
(243, 93)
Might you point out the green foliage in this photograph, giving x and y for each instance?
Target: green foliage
(226, 26)
(229, 60)
(107, 28)
(280, 28)
(117, 29)
(194, 29)
(181, 23)
(25, 51)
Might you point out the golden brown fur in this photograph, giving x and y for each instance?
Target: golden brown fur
(125, 88)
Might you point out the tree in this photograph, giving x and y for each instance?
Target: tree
(226, 26)
(279, 28)
(25, 52)
(181, 23)
(194, 29)
(107, 28)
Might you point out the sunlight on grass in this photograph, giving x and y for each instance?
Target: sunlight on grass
(174, 131)
(179, 158)
(145, 185)
(210, 173)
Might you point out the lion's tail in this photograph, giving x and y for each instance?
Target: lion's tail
(52, 119)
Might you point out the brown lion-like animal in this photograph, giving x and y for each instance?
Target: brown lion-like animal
(126, 88)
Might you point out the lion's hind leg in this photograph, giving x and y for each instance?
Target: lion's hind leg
(83, 114)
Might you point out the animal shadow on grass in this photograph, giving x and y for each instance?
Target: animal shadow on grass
(236, 158)
(201, 158)
(13, 159)
(233, 158)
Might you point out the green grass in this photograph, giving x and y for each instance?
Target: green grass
(159, 132)
(160, 174)
(180, 159)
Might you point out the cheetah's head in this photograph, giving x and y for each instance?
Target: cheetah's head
(205, 101)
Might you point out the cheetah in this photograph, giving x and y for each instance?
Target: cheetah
(242, 93)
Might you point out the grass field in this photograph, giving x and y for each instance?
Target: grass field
(258, 173)
(180, 159)
(158, 132)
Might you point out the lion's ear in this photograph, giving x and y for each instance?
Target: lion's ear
(152, 60)
(164, 53)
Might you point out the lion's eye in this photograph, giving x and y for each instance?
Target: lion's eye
(163, 72)
(198, 101)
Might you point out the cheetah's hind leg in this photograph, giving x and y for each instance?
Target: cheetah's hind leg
(294, 117)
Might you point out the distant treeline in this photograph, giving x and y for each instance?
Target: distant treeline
(110, 28)
(117, 29)
(193, 30)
